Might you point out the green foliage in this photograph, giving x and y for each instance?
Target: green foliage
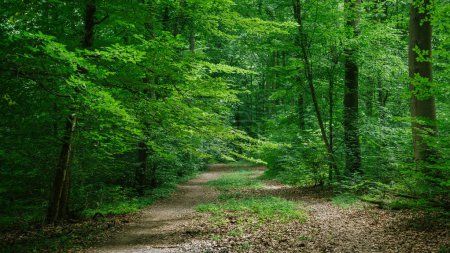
(137, 83)
(301, 164)
(122, 202)
(408, 204)
(199, 81)
(278, 107)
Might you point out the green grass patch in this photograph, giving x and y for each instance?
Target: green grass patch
(241, 178)
(346, 200)
(263, 208)
(236, 232)
(216, 237)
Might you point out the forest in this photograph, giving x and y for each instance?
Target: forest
(250, 125)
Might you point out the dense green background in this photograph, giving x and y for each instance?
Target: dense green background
(201, 81)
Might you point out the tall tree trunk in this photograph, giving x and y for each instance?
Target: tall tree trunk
(89, 24)
(423, 108)
(309, 76)
(351, 129)
(59, 201)
(58, 206)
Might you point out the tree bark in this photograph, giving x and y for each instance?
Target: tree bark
(89, 24)
(423, 108)
(351, 128)
(58, 207)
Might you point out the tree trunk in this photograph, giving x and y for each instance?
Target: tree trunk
(309, 76)
(59, 201)
(58, 207)
(89, 24)
(142, 167)
(351, 129)
(423, 108)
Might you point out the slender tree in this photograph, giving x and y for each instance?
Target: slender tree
(59, 203)
(297, 6)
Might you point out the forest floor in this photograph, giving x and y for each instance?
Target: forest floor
(174, 225)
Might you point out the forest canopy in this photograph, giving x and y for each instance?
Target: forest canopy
(104, 104)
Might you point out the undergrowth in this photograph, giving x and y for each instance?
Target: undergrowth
(68, 237)
(133, 204)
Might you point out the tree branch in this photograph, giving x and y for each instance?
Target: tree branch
(101, 20)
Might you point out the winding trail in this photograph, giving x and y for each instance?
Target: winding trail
(164, 226)
(172, 225)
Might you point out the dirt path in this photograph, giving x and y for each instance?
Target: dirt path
(172, 225)
(164, 226)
